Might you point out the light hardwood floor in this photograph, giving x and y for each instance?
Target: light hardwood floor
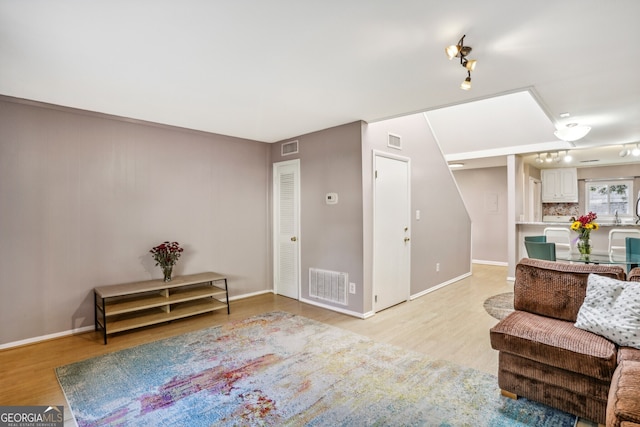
(449, 323)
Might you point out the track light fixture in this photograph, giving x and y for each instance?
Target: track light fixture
(624, 152)
(554, 157)
(461, 51)
(567, 157)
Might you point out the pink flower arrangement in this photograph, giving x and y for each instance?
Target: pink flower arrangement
(167, 253)
(585, 224)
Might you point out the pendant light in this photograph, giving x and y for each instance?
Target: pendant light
(461, 51)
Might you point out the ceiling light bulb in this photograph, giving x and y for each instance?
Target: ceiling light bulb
(466, 84)
(557, 158)
(572, 132)
(636, 151)
(568, 158)
(539, 159)
(470, 65)
(452, 51)
(548, 159)
(624, 152)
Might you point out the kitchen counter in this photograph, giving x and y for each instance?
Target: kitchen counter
(599, 238)
(568, 224)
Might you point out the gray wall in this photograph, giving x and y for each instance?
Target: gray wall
(443, 234)
(84, 197)
(485, 193)
(339, 237)
(331, 235)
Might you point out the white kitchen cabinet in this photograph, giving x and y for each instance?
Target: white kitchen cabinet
(559, 185)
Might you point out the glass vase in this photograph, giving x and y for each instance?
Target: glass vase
(166, 272)
(584, 247)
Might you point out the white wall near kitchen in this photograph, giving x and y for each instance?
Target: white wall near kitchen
(485, 194)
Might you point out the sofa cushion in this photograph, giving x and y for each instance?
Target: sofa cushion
(555, 289)
(623, 405)
(555, 342)
(611, 308)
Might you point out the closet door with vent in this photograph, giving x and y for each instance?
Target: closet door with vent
(286, 231)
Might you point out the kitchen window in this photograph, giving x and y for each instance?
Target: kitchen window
(606, 198)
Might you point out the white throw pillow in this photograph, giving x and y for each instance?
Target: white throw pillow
(611, 309)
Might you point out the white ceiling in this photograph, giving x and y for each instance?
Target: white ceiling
(271, 70)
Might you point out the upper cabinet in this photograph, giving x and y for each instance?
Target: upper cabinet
(559, 185)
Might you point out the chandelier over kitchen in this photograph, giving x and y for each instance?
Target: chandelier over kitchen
(461, 51)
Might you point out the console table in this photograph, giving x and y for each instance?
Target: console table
(134, 305)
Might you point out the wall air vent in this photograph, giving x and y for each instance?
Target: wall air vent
(328, 285)
(394, 141)
(288, 148)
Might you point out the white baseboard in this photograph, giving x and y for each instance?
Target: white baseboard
(46, 337)
(440, 286)
(252, 294)
(499, 263)
(91, 328)
(243, 296)
(333, 308)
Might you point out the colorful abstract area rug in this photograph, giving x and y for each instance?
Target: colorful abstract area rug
(279, 369)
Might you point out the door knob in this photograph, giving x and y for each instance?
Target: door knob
(294, 239)
(406, 239)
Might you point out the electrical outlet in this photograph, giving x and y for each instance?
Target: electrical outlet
(437, 266)
(352, 288)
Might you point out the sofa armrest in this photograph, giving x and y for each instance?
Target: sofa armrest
(623, 404)
(634, 275)
(555, 289)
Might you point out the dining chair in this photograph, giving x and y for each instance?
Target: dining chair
(632, 245)
(541, 250)
(540, 239)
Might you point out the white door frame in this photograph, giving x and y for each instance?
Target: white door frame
(276, 224)
(407, 160)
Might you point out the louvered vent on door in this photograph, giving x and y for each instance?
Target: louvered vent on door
(328, 285)
(394, 141)
(287, 220)
(289, 148)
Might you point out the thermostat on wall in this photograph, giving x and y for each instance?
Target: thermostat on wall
(331, 198)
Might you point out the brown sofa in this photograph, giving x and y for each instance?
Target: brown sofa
(545, 358)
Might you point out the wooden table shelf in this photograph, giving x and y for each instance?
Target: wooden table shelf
(134, 305)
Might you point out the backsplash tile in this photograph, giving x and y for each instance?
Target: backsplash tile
(561, 209)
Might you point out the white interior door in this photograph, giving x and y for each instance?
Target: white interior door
(391, 234)
(286, 235)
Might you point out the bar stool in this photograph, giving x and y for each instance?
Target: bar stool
(617, 238)
(561, 236)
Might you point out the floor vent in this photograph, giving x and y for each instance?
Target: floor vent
(394, 141)
(289, 148)
(328, 285)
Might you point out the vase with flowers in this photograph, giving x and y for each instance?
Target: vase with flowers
(166, 255)
(583, 226)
